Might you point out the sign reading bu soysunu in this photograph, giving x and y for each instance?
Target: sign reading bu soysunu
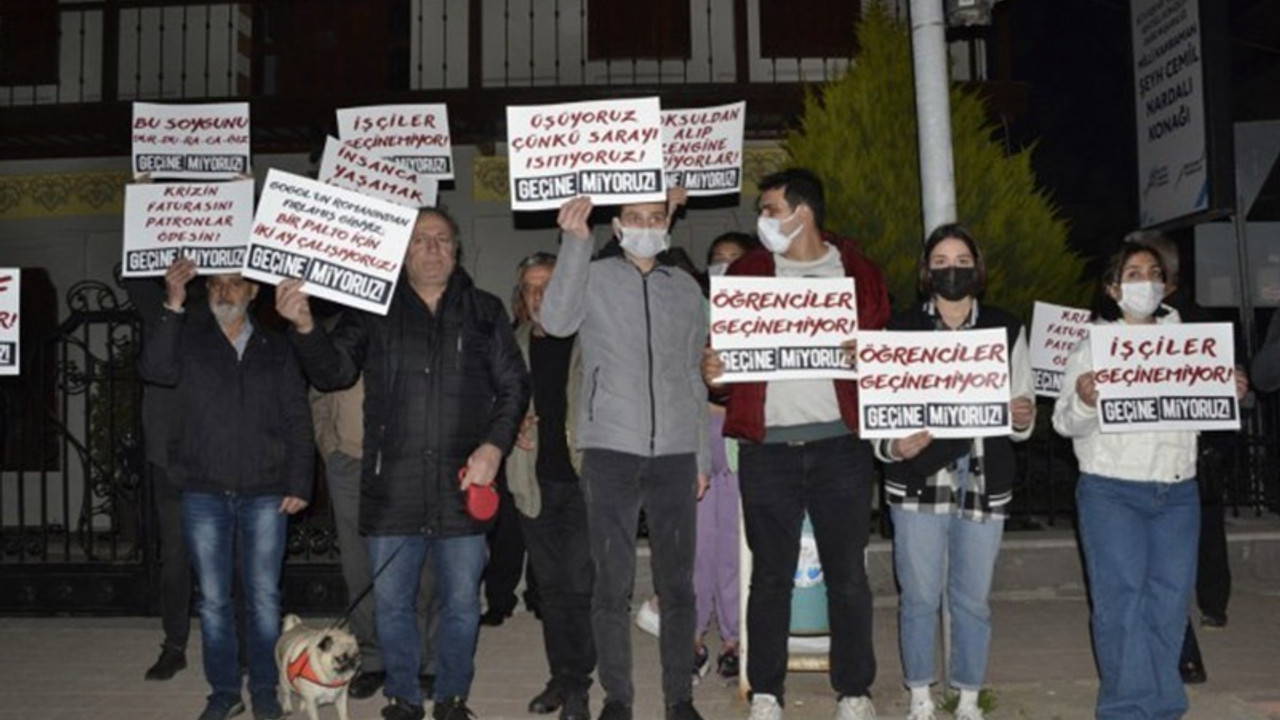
(193, 142)
(1055, 332)
(206, 222)
(1165, 377)
(348, 247)
(769, 328)
(610, 150)
(953, 384)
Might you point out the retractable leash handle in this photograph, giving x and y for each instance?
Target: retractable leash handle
(481, 500)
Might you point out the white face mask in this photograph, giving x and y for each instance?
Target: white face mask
(641, 242)
(770, 231)
(717, 269)
(1140, 299)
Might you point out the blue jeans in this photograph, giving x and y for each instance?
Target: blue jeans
(1139, 541)
(214, 523)
(458, 562)
(931, 549)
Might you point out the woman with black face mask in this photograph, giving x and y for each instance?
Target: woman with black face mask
(948, 497)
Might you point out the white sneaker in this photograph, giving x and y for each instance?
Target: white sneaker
(765, 707)
(970, 713)
(647, 618)
(922, 711)
(855, 708)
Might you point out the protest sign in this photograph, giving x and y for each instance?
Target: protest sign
(10, 293)
(348, 247)
(207, 222)
(954, 384)
(1055, 332)
(191, 142)
(610, 150)
(1165, 377)
(346, 167)
(702, 149)
(769, 328)
(416, 136)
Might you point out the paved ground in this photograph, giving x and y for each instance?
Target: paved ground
(91, 668)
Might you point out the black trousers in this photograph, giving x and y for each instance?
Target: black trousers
(175, 562)
(506, 555)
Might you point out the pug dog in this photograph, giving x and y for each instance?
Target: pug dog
(317, 665)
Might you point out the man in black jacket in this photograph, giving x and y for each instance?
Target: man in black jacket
(445, 392)
(244, 460)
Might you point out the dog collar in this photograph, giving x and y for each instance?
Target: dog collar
(300, 669)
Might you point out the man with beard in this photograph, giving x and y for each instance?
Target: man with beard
(243, 459)
(445, 392)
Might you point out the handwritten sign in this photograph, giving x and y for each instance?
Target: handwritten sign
(1165, 377)
(10, 292)
(191, 142)
(608, 149)
(1055, 332)
(953, 384)
(348, 247)
(416, 136)
(702, 149)
(207, 222)
(783, 328)
(346, 167)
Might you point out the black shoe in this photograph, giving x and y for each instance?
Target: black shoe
(1192, 673)
(614, 710)
(365, 684)
(221, 708)
(171, 660)
(1215, 622)
(452, 709)
(701, 664)
(682, 710)
(267, 707)
(727, 665)
(494, 618)
(547, 701)
(399, 709)
(576, 707)
(427, 682)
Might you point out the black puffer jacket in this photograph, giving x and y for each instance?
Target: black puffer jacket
(436, 388)
(245, 422)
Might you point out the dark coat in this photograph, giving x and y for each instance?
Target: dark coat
(246, 422)
(437, 386)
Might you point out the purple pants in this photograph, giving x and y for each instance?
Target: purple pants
(715, 569)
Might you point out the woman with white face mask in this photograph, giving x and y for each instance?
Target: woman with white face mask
(1139, 515)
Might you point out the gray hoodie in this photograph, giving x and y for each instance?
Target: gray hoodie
(642, 338)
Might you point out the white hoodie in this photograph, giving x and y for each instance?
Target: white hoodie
(1139, 456)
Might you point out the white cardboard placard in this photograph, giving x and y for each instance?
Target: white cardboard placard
(768, 328)
(416, 136)
(345, 166)
(348, 247)
(955, 384)
(610, 150)
(1055, 332)
(207, 222)
(1165, 377)
(10, 296)
(191, 142)
(702, 149)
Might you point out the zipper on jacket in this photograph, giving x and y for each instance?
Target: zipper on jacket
(377, 462)
(595, 383)
(648, 337)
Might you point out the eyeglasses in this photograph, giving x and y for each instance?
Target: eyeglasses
(538, 258)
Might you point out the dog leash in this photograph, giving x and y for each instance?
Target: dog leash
(346, 615)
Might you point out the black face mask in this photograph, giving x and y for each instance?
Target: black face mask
(954, 283)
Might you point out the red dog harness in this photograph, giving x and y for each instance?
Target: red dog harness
(300, 669)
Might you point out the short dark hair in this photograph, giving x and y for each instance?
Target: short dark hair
(951, 231)
(743, 240)
(799, 185)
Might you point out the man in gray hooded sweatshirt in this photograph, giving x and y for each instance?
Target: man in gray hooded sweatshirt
(641, 424)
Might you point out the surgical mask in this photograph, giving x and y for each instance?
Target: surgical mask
(770, 231)
(717, 269)
(953, 283)
(1140, 299)
(641, 242)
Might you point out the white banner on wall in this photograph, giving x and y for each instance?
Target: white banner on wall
(1173, 170)
(10, 295)
(1165, 377)
(348, 247)
(191, 142)
(206, 222)
(610, 150)
(1055, 332)
(702, 149)
(416, 136)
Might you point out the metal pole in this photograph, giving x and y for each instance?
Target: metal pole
(933, 113)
